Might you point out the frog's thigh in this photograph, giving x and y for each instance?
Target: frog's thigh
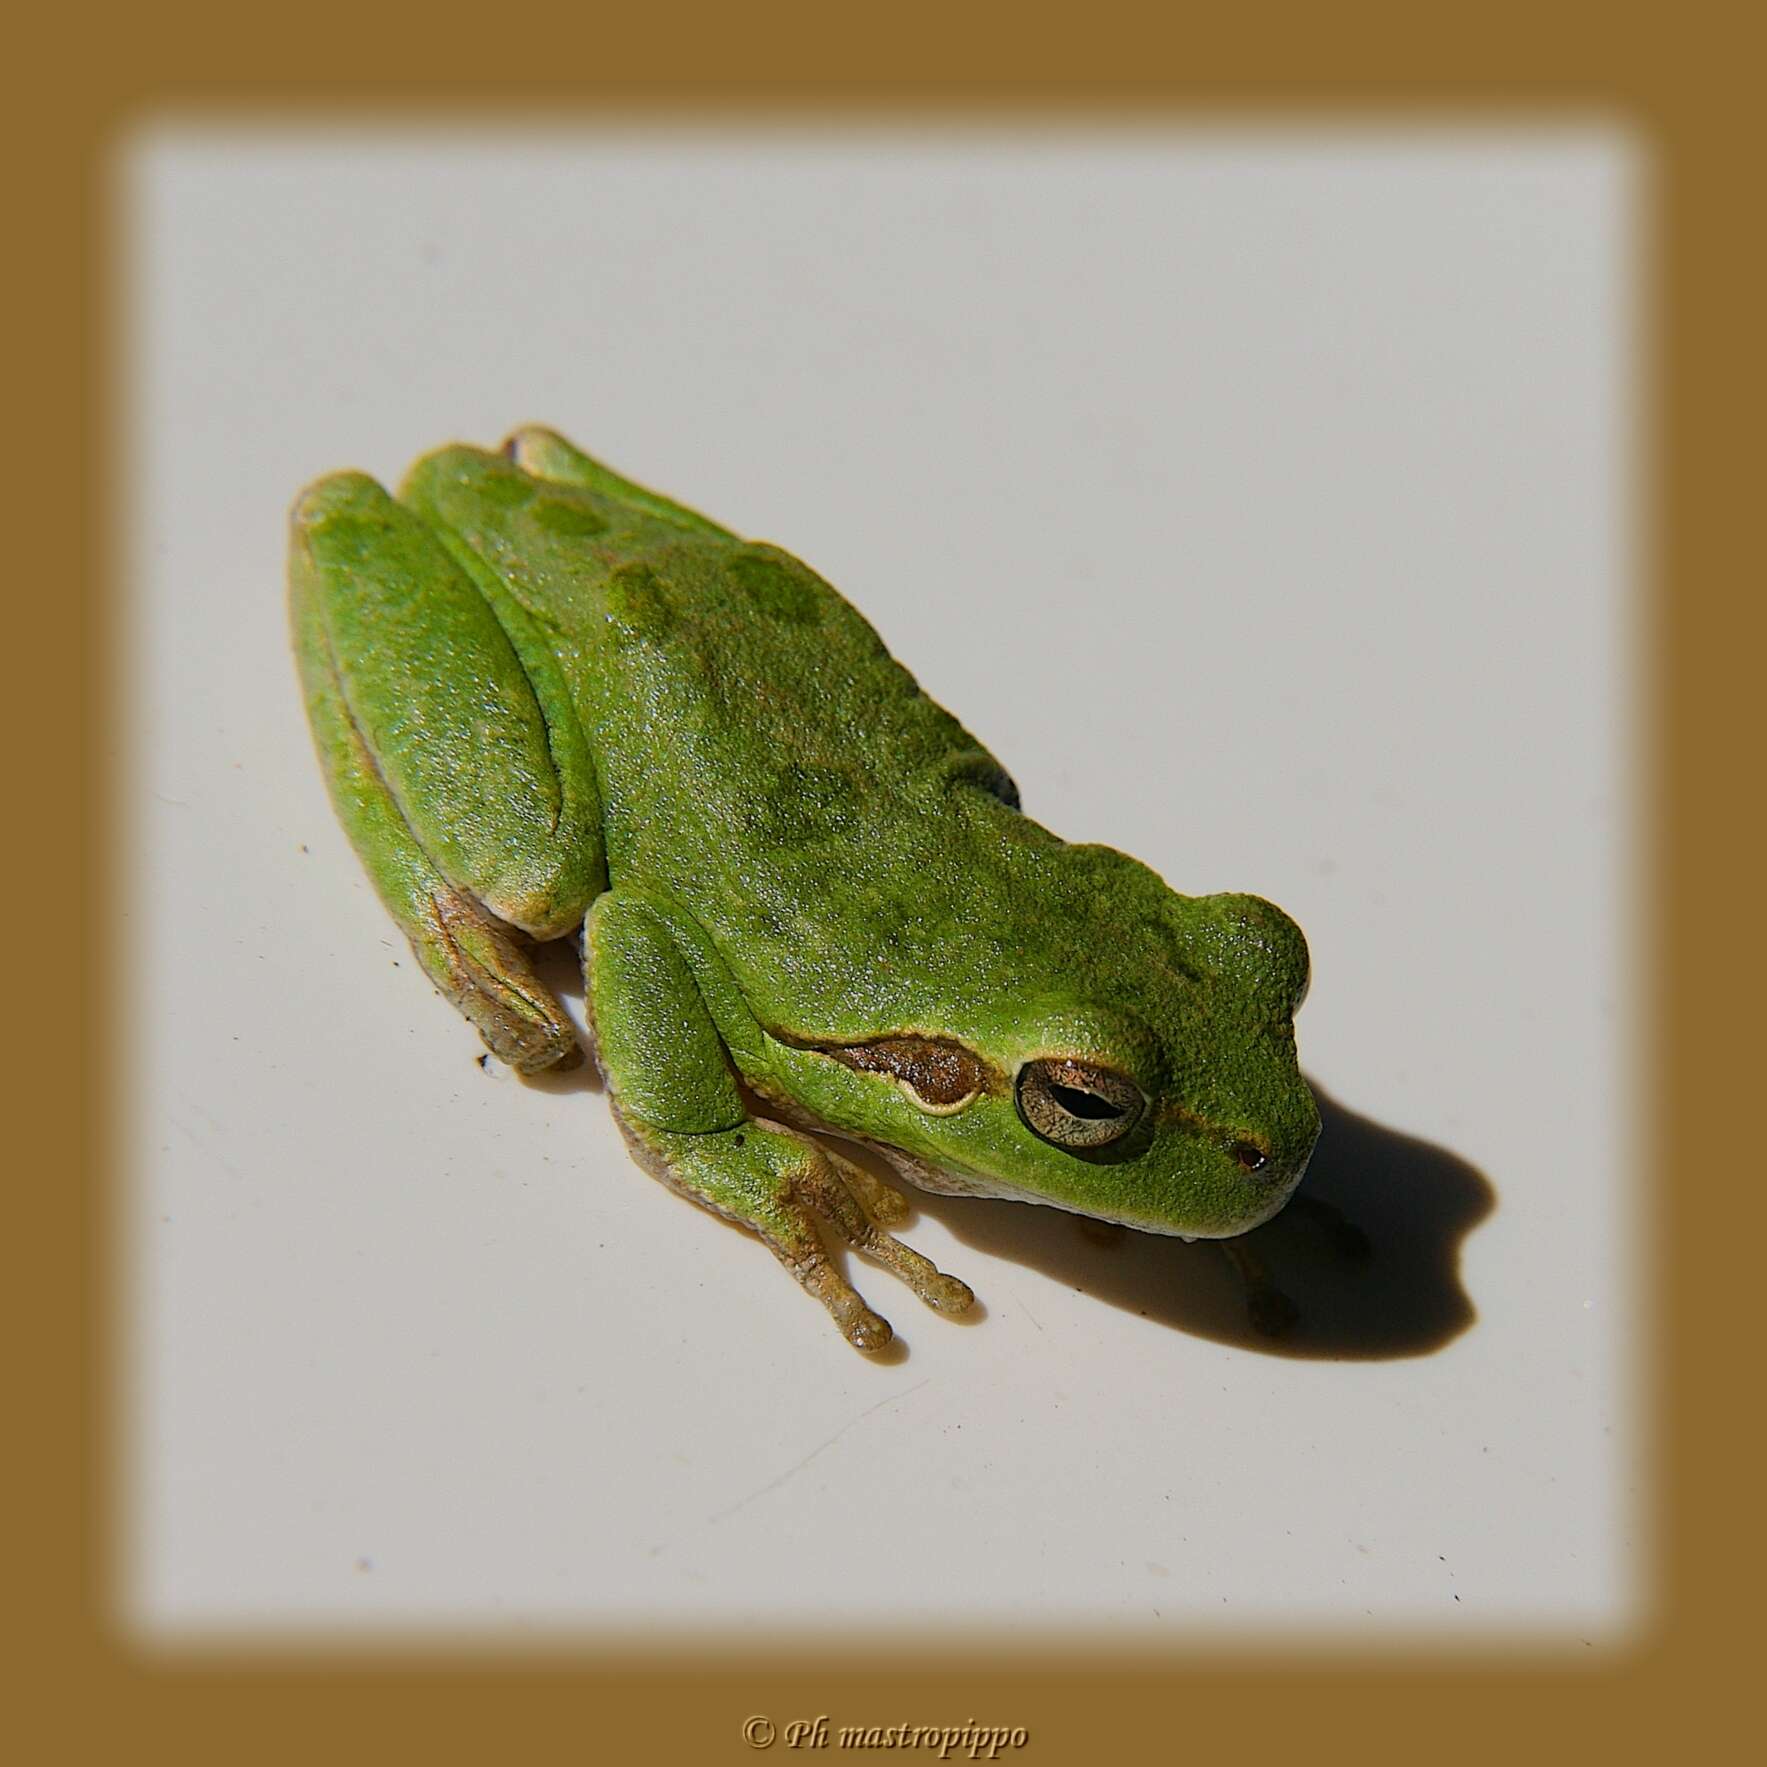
(678, 1104)
(467, 722)
(467, 953)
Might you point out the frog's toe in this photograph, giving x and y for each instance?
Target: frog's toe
(869, 1331)
(862, 1328)
(828, 1187)
(958, 1296)
(887, 1206)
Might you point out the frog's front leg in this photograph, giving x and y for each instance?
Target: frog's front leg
(453, 755)
(679, 1106)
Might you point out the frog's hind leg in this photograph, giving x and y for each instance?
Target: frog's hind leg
(455, 762)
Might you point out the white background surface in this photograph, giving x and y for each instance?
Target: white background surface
(1330, 433)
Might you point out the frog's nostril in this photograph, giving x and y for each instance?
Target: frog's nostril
(1250, 1156)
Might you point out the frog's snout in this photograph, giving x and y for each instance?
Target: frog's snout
(1271, 1170)
(1268, 1204)
(1283, 1175)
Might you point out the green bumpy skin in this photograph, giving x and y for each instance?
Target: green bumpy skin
(547, 699)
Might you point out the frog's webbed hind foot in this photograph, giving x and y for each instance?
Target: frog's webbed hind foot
(781, 1186)
(477, 964)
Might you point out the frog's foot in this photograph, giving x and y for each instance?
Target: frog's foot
(887, 1206)
(1270, 1311)
(845, 1196)
(478, 965)
(779, 1185)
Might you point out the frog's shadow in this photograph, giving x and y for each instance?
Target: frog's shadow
(1412, 1202)
(1398, 1295)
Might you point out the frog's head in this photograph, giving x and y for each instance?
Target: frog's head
(1147, 1075)
(1172, 1099)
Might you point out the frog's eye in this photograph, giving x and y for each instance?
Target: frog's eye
(1075, 1103)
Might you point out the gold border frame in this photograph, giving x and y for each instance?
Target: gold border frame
(1684, 85)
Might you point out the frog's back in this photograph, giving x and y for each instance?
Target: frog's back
(742, 713)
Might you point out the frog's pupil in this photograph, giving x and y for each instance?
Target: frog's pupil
(1083, 1104)
(1249, 1155)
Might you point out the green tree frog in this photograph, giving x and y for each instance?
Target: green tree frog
(549, 702)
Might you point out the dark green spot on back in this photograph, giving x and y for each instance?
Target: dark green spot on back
(775, 587)
(638, 601)
(800, 804)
